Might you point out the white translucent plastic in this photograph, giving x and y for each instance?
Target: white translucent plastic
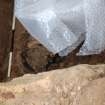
(57, 24)
(71, 12)
(95, 25)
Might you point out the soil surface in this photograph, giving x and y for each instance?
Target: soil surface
(32, 57)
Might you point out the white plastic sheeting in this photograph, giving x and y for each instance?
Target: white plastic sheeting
(95, 25)
(60, 24)
(71, 12)
(57, 24)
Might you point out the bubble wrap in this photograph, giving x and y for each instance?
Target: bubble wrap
(57, 24)
(73, 16)
(95, 25)
(71, 12)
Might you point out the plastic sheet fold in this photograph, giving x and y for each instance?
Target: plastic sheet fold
(46, 22)
(60, 25)
(95, 27)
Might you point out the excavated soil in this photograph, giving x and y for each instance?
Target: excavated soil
(32, 57)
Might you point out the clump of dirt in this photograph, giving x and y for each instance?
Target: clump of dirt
(29, 55)
(32, 57)
(36, 58)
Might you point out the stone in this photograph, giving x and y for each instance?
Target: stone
(58, 87)
(92, 94)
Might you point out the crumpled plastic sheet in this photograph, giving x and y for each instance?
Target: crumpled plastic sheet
(57, 24)
(95, 25)
(60, 24)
